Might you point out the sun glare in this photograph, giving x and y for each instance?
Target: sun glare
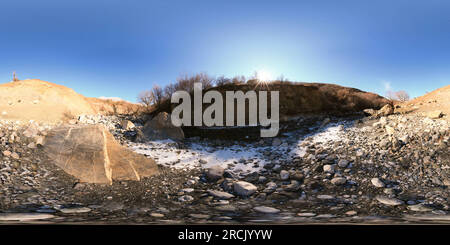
(263, 75)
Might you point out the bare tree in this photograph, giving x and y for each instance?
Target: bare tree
(146, 98)
(222, 80)
(402, 95)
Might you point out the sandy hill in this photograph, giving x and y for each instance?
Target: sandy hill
(39, 100)
(437, 100)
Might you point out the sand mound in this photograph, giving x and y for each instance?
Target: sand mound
(437, 100)
(41, 101)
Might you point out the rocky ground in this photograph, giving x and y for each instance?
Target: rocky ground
(392, 169)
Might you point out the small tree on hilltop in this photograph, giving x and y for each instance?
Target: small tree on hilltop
(402, 95)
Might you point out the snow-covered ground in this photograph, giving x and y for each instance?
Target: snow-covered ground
(239, 158)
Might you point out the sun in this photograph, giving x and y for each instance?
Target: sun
(263, 75)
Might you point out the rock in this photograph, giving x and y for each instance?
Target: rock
(389, 200)
(306, 214)
(446, 182)
(434, 114)
(214, 173)
(186, 198)
(369, 112)
(91, 154)
(220, 194)
(127, 124)
(160, 128)
(419, 208)
(377, 182)
(243, 188)
(24, 216)
(266, 210)
(343, 163)
(329, 168)
(284, 175)
(390, 130)
(14, 155)
(351, 213)
(6, 153)
(39, 140)
(386, 110)
(76, 210)
(31, 131)
(157, 215)
(338, 181)
(276, 142)
(200, 216)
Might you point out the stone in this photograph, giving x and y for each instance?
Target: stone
(266, 210)
(329, 168)
(338, 181)
(351, 213)
(14, 155)
(389, 200)
(343, 163)
(6, 153)
(284, 175)
(220, 194)
(157, 215)
(214, 173)
(419, 208)
(276, 142)
(91, 154)
(386, 110)
(200, 216)
(434, 114)
(25, 216)
(127, 125)
(243, 188)
(76, 210)
(186, 198)
(390, 130)
(160, 128)
(377, 182)
(306, 214)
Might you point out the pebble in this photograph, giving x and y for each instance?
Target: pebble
(389, 200)
(266, 210)
(377, 182)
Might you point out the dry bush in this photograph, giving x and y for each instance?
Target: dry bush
(399, 95)
(402, 95)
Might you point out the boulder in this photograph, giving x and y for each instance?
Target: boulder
(127, 124)
(434, 114)
(386, 110)
(91, 154)
(243, 188)
(161, 127)
(214, 173)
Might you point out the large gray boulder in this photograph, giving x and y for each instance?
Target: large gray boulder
(160, 128)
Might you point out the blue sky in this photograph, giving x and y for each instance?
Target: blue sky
(119, 48)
